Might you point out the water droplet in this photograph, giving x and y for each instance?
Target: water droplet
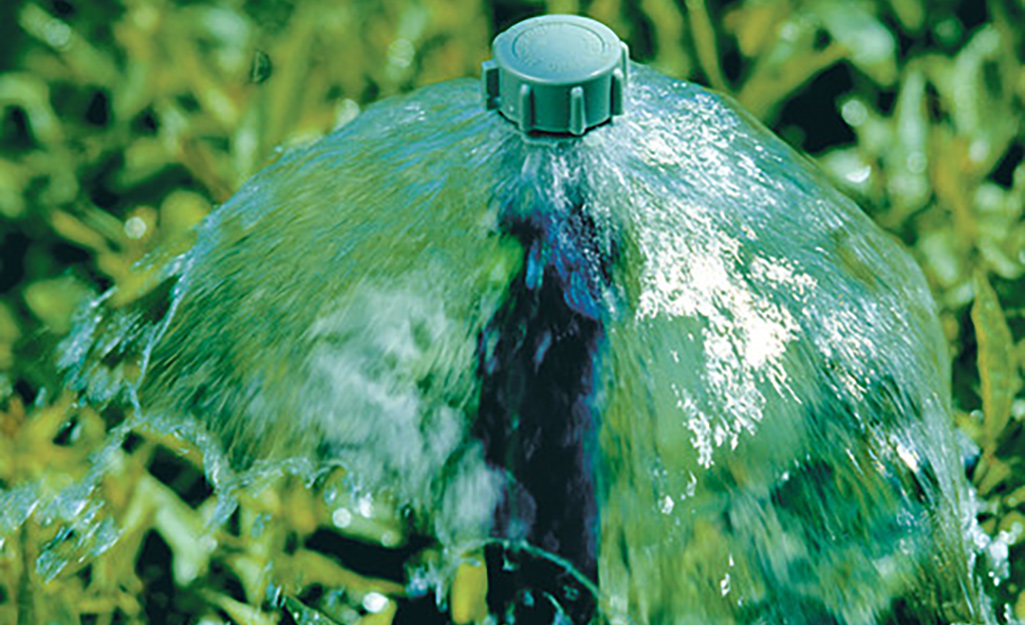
(365, 506)
(859, 175)
(909, 457)
(135, 228)
(342, 518)
(374, 602)
(854, 112)
(57, 34)
(346, 111)
(667, 505)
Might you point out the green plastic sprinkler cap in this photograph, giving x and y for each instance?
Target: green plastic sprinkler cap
(557, 74)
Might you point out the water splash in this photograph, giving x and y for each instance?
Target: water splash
(756, 425)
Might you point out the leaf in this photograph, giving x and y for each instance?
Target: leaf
(704, 41)
(754, 24)
(304, 614)
(469, 592)
(54, 301)
(668, 27)
(997, 360)
(872, 46)
(238, 611)
(907, 157)
(911, 13)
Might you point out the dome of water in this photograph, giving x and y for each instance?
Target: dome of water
(666, 359)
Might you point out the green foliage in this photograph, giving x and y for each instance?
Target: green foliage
(996, 360)
(122, 123)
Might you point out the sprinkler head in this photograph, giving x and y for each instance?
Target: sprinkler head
(557, 74)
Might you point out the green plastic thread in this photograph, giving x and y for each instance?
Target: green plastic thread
(557, 74)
